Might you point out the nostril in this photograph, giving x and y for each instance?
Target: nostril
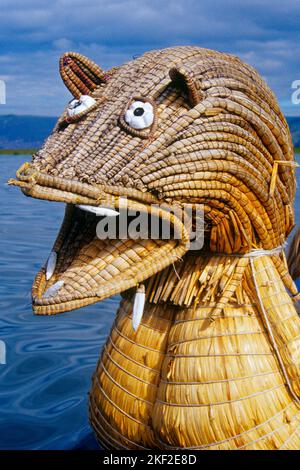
(62, 126)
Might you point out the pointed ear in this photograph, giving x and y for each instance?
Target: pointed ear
(80, 74)
(184, 80)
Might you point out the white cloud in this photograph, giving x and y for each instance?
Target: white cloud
(63, 43)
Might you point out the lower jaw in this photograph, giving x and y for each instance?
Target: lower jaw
(92, 269)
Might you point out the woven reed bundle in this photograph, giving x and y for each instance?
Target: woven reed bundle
(214, 363)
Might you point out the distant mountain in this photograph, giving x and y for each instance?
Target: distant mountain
(20, 132)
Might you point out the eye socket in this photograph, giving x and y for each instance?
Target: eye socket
(77, 108)
(139, 115)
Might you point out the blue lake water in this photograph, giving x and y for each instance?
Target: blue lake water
(50, 360)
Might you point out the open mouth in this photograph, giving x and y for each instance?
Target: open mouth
(83, 267)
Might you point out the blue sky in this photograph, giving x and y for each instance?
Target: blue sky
(34, 33)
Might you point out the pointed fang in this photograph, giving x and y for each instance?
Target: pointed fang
(138, 306)
(98, 210)
(53, 289)
(50, 266)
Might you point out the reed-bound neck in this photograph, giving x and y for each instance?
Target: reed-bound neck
(211, 278)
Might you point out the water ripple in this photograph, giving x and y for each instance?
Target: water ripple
(50, 360)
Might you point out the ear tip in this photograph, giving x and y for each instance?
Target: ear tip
(175, 71)
(67, 57)
(179, 69)
(66, 60)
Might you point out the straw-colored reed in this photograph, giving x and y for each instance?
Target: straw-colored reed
(214, 363)
(207, 376)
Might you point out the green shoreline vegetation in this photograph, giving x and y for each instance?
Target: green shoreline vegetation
(31, 151)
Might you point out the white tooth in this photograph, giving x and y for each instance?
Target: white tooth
(138, 306)
(53, 289)
(51, 263)
(98, 210)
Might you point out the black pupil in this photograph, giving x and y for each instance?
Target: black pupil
(138, 112)
(78, 103)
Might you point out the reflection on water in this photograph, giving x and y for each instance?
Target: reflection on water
(50, 360)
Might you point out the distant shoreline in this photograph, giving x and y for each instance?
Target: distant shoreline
(32, 151)
(17, 151)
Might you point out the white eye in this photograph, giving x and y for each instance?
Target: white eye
(81, 105)
(139, 115)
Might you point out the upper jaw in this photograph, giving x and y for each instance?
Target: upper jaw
(84, 269)
(41, 185)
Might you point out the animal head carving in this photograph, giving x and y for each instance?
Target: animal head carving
(177, 126)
